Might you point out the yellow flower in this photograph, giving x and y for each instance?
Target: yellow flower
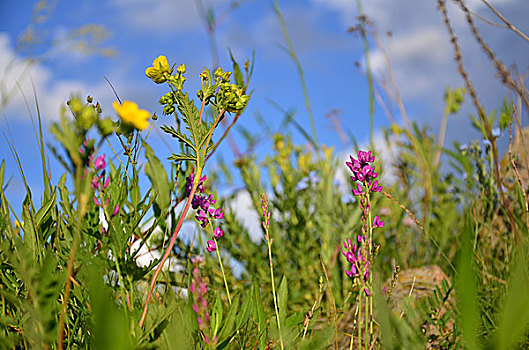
(160, 70)
(132, 115)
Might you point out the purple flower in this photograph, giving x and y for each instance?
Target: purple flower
(100, 162)
(97, 202)
(95, 183)
(218, 233)
(116, 210)
(377, 222)
(359, 192)
(105, 185)
(189, 184)
(202, 218)
(212, 246)
(216, 213)
(375, 187)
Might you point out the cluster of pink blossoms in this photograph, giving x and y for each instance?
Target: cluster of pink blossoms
(358, 254)
(206, 212)
(199, 290)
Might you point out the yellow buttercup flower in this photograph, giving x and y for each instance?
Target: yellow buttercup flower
(130, 114)
(160, 70)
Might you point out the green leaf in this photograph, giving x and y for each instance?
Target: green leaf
(514, 315)
(44, 211)
(216, 319)
(181, 158)
(65, 196)
(259, 315)
(466, 290)
(178, 135)
(320, 340)
(158, 176)
(244, 312)
(282, 301)
(229, 322)
(239, 80)
(2, 172)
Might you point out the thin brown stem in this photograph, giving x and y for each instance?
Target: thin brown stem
(441, 138)
(481, 111)
(504, 20)
(224, 135)
(198, 173)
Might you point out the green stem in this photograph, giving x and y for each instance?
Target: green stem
(220, 263)
(369, 312)
(82, 197)
(274, 287)
(359, 321)
(369, 74)
(294, 57)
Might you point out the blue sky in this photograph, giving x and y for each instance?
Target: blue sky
(140, 30)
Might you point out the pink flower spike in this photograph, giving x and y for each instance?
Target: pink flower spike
(377, 222)
(105, 185)
(95, 183)
(100, 162)
(97, 202)
(116, 210)
(212, 246)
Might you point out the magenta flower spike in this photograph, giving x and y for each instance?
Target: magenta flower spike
(100, 162)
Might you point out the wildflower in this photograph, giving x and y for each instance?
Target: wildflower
(97, 202)
(116, 210)
(358, 254)
(160, 70)
(189, 184)
(212, 246)
(218, 233)
(216, 213)
(105, 185)
(130, 114)
(95, 183)
(199, 291)
(100, 162)
(204, 204)
(377, 222)
(266, 212)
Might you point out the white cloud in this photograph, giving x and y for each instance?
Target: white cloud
(411, 52)
(19, 75)
(242, 207)
(165, 16)
(422, 55)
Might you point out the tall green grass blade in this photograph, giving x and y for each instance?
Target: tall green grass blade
(466, 289)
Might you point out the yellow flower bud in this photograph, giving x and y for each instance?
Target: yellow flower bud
(160, 70)
(132, 115)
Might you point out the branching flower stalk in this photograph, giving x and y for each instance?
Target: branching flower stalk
(217, 91)
(269, 241)
(360, 253)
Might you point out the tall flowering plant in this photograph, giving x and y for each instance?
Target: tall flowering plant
(359, 252)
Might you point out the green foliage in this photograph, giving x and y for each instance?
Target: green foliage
(70, 275)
